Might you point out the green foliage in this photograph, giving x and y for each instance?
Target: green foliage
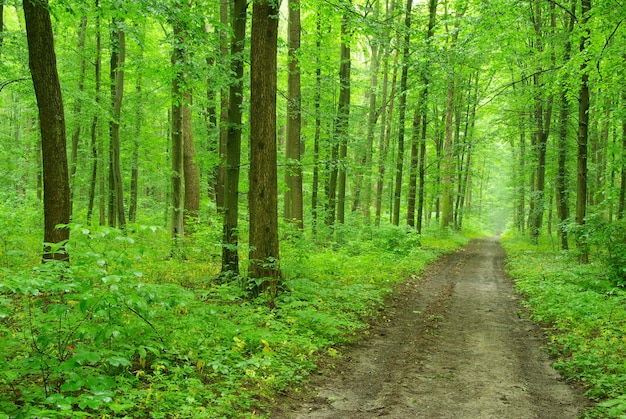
(586, 314)
(128, 331)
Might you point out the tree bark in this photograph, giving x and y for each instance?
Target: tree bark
(43, 68)
(293, 175)
(263, 196)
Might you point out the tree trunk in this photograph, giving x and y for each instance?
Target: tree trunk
(224, 107)
(94, 122)
(177, 174)
(448, 150)
(622, 189)
(77, 110)
(373, 114)
(190, 166)
(562, 195)
(402, 114)
(342, 131)
(134, 176)
(432, 16)
(385, 134)
(318, 124)
(117, 217)
(230, 251)
(583, 136)
(43, 68)
(413, 169)
(1, 24)
(263, 196)
(293, 196)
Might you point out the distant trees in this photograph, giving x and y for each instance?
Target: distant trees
(498, 106)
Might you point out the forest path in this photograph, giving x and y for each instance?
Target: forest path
(452, 344)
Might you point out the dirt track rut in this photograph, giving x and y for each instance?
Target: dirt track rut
(452, 344)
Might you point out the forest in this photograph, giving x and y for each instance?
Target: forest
(203, 200)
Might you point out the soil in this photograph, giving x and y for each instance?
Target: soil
(453, 343)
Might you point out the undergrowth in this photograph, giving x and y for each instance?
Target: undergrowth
(587, 318)
(129, 331)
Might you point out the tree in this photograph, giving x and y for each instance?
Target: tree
(117, 216)
(230, 251)
(263, 195)
(177, 174)
(43, 68)
(583, 134)
(402, 113)
(293, 196)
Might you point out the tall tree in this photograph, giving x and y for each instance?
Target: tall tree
(43, 68)
(190, 170)
(339, 146)
(117, 216)
(402, 113)
(564, 114)
(1, 25)
(543, 118)
(78, 108)
(178, 141)
(263, 196)
(293, 196)
(423, 109)
(94, 122)
(583, 133)
(230, 251)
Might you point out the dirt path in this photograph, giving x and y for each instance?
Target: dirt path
(453, 345)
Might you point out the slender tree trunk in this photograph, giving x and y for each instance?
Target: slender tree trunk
(263, 196)
(134, 176)
(224, 108)
(385, 135)
(78, 110)
(562, 195)
(402, 114)
(583, 136)
(1, 25)
(448, 150)
(43, 68)
(318, 124)
(177, 173)
(371, 125)
(117, 217)
(622, 189)
(94, 122)
(190, 165)
(423, 105)
(230, 251)
(343, 117)
(293, 197)
(413, 169)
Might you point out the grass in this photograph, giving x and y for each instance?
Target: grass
(586, 313)
(128, 331)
